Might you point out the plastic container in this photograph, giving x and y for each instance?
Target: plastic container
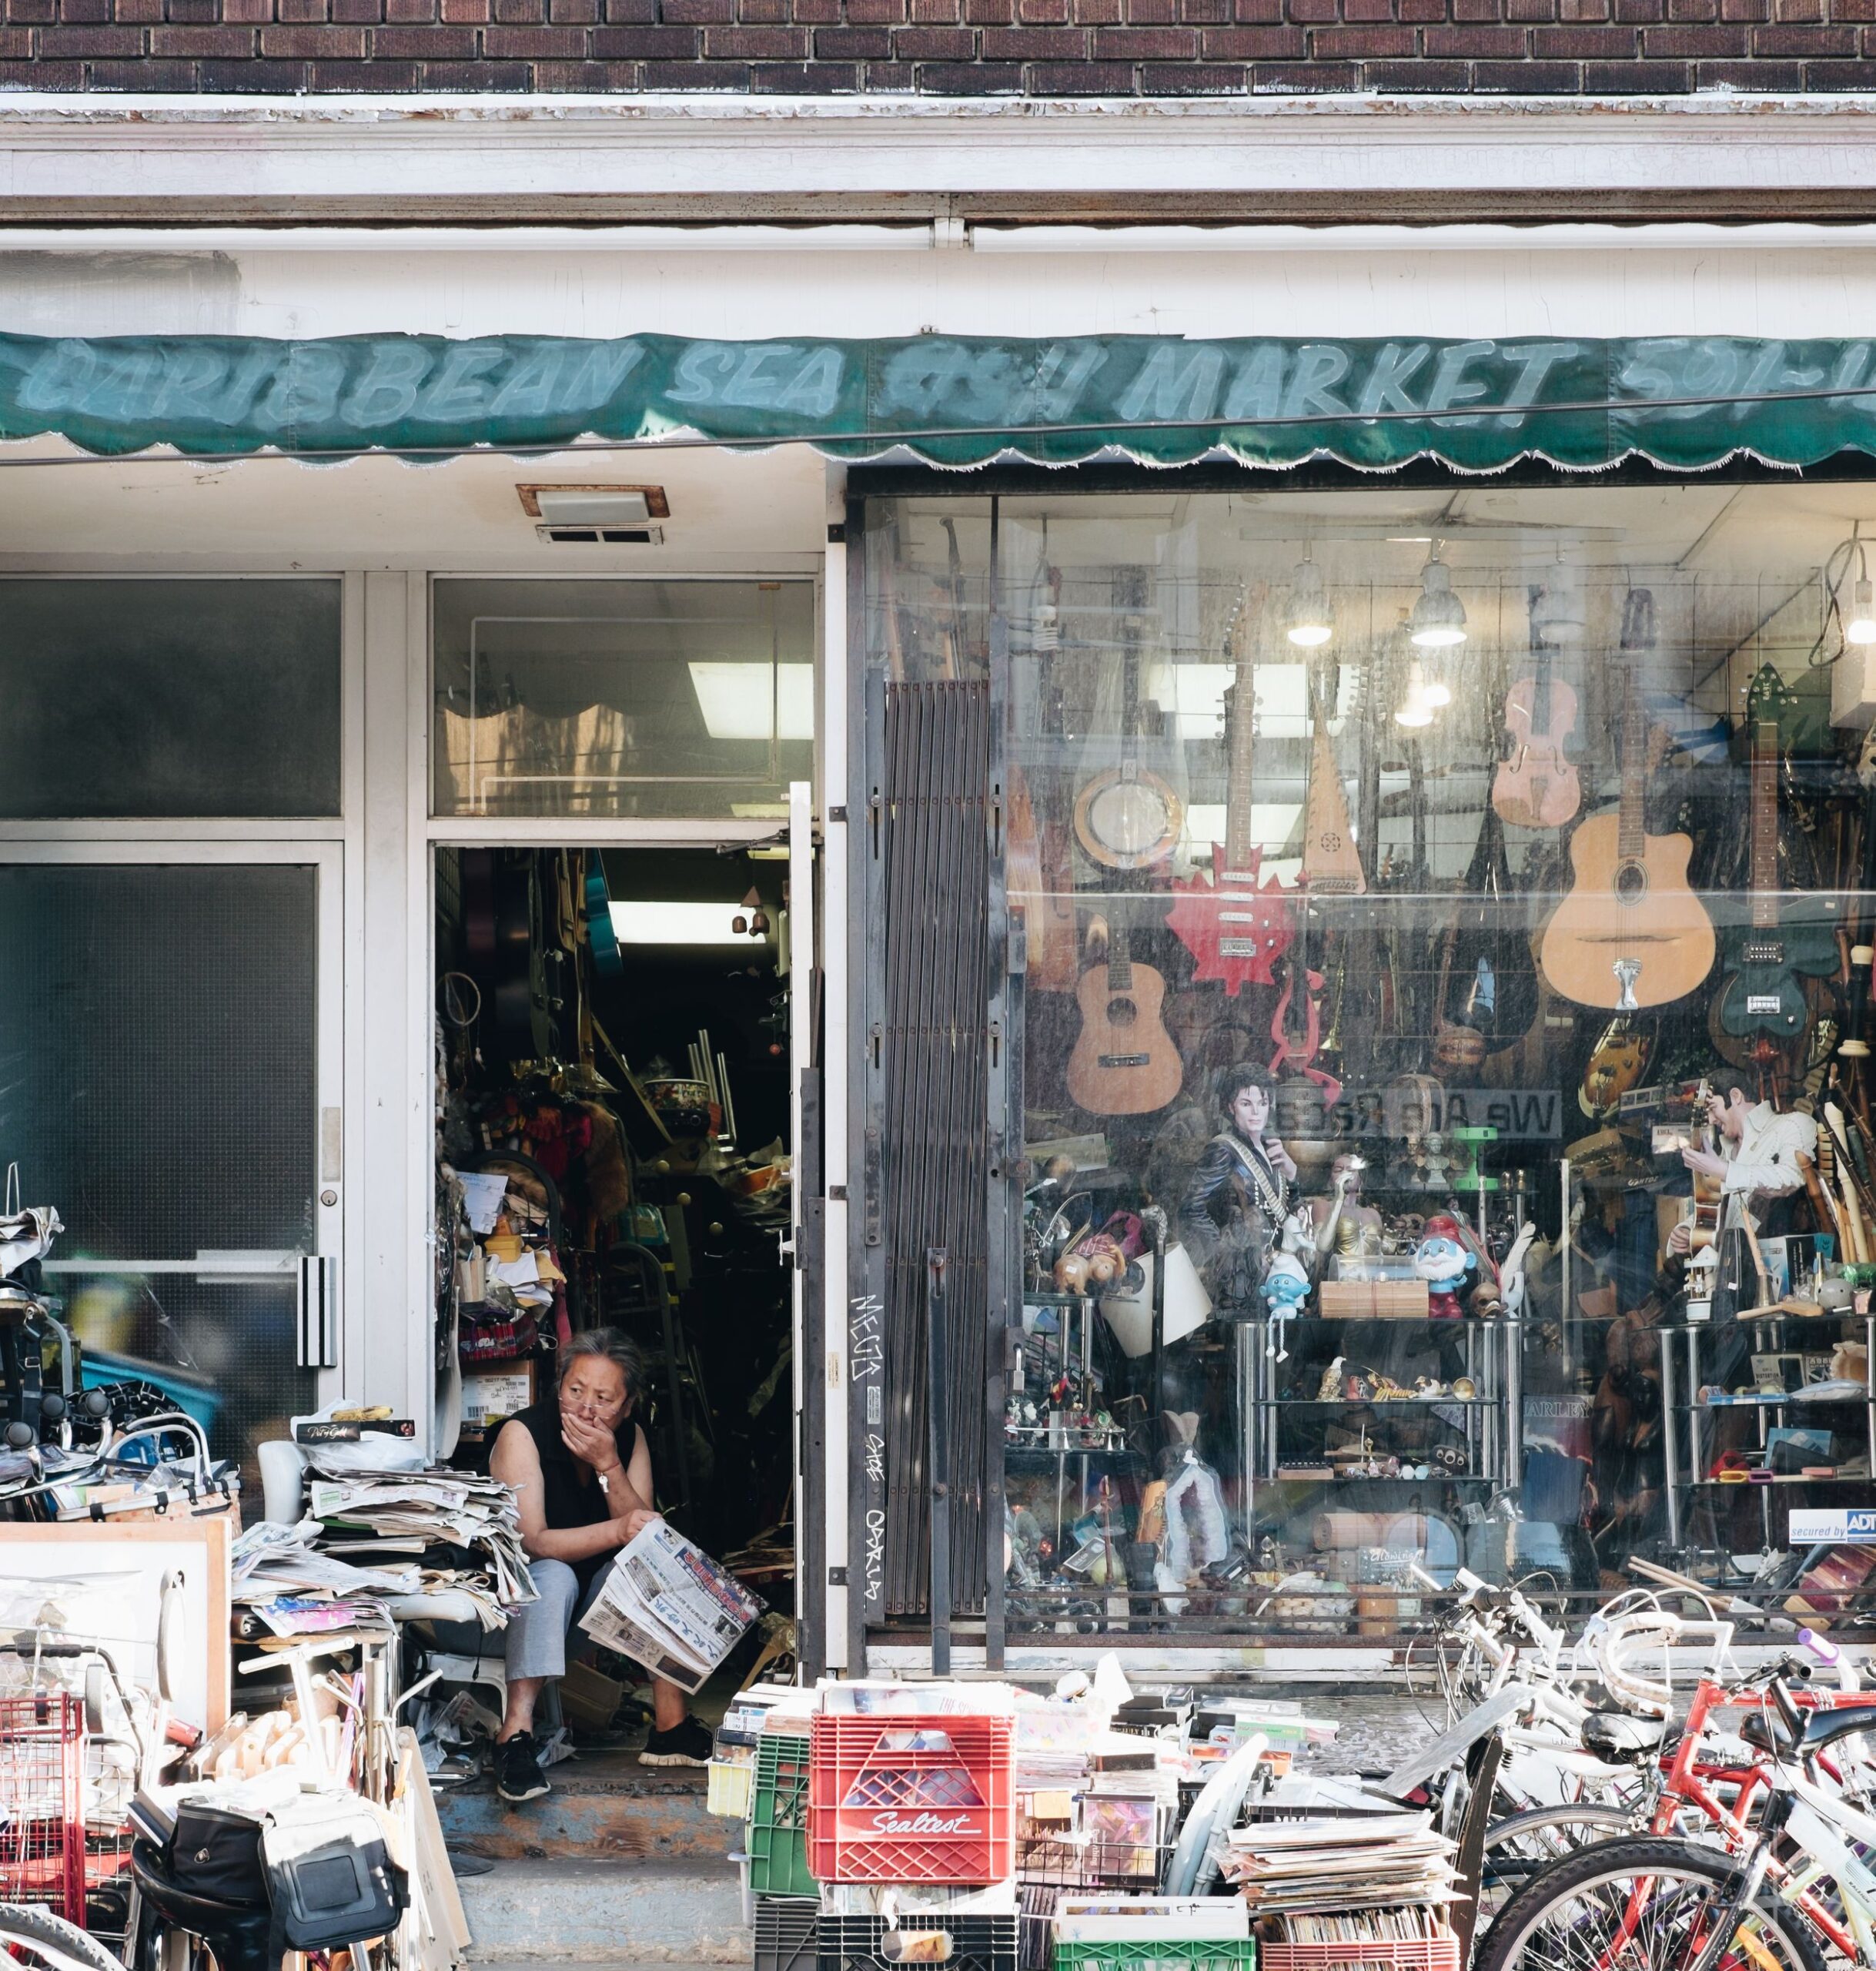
(1158, 1954)
(777, 1837)
(1369, 1954)
(730, 1785)
(959, 1943)
(787, 1936)
(911, 1798)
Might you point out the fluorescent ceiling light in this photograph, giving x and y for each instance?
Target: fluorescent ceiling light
(678, 924)
(748, 700)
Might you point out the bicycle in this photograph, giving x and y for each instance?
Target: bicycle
(32, 1937)
(1777, 1899)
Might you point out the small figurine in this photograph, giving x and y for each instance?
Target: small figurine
(1329, 1389)
(1446, 1266)
(1286, 1287)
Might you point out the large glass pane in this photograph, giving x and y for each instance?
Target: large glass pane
(646, 698)
(1441, 910)
(170, 698)
(159, 1091)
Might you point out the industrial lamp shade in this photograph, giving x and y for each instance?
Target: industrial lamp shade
(1437, 619)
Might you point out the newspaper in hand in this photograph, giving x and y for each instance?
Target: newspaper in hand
(666, 1603)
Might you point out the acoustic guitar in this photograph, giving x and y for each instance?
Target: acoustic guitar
(1234, 921)
(1536, 786)
(1040, 889)
(1124, 1062)
(1766, 958)
(1631, 933)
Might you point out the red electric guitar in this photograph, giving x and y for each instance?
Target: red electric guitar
(1235, 925)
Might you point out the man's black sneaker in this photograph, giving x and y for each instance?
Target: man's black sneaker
(687, 1744)
(518, 1776)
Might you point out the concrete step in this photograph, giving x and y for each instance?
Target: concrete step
(602, 1805)
(611, 1914)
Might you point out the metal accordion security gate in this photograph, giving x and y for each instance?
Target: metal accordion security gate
(928, 1321)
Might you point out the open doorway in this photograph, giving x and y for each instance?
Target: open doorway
(613, 1151)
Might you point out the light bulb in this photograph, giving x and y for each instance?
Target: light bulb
(1415, 711)
(1438, 693)
(1309, 624)
(1437, 620)
(1861, 628)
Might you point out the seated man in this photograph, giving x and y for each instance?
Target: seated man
(582, 1471)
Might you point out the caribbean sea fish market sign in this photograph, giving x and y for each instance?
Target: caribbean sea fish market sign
(1682, 401)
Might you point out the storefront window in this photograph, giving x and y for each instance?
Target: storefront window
(1409, 882)
(169, 699)
(642, 698)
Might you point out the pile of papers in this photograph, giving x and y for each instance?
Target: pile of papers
(666, 1604)
(290, 1588)
(1369, 1862)
(426, 1509)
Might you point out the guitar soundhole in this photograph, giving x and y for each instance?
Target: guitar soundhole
(1122, 1012)
(1631, 883)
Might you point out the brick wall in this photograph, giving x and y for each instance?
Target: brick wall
(975, 47)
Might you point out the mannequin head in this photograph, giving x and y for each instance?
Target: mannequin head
(1244, 1094)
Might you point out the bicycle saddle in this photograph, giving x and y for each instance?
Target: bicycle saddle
(1825, 1728)
(237, 1934)
(1617, 1736)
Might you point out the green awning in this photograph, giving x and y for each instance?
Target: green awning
(1682, 401)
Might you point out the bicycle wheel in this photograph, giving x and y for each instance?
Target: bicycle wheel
(32, 1936)
(1644, 1905)
(1522, 1844)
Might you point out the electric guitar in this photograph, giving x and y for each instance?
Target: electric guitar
(1124, 1062)
(1766, 957)
(1631, 933)
(1234, 923)
(601, 937)
(1536, 786)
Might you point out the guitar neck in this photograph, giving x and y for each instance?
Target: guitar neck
(1764, 826)
(1120, 960)
(1238, 842)
(1631, 833)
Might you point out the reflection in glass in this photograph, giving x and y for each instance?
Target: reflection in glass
(1408, 882)
(649, 698)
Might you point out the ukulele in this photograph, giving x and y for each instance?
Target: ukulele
(1234, 925)
(1765, 957)
(1331, 866)
(1630, 933)
(1124, 1062)
(1536, 786)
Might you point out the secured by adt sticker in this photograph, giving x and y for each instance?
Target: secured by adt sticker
(1818, 1527)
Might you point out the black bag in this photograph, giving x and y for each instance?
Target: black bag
(332, 1881)
(217, 1854)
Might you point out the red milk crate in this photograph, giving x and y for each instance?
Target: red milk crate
(918, 1797)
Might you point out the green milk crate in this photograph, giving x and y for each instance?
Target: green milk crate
(1115, 1954)
(778, 1842)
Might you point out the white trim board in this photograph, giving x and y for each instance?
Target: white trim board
(501, 162)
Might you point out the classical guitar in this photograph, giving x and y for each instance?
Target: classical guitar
(1631, 933)
(1766, 958)
(1536, 786)
(1124, 1062)
(1331, 866)
(1234, 921)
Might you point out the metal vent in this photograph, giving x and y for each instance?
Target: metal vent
(602, 536)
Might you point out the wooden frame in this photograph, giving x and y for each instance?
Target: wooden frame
(201, 1544)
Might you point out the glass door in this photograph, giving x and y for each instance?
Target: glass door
(169, 1081)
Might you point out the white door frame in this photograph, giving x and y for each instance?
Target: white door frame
(326, 859)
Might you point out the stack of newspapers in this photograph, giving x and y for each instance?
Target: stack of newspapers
(666, 1604)
(1364, 1863)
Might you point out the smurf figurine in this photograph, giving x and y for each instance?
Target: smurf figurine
(1286, 1287)
(1446, 1266)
